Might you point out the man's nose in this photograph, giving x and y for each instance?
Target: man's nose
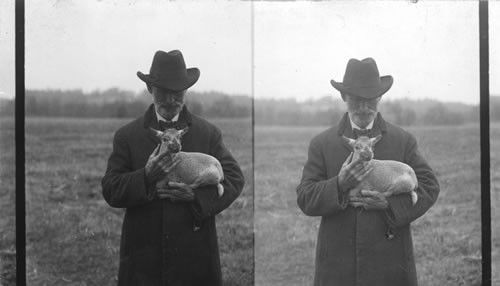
(169, 98)
(363, 104)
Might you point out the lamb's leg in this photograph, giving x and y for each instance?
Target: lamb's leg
(402, 186)
(414, 197)
(196, 225)
(220, 189)
(356, 191)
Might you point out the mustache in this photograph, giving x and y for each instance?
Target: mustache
(169, 105)
(367, 112)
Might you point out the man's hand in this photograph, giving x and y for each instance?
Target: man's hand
(176, 192)
(352, 173)
(159, 164)
(370, 200)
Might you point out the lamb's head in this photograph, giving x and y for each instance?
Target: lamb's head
(362, 147)
(170, 139)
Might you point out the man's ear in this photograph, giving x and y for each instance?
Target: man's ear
(150, 88)
(343, 96)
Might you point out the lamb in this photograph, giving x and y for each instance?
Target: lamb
(194, 169)
(385, 174)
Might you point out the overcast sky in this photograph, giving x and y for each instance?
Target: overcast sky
(430, 48)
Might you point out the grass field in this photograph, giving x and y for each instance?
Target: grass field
(495, 202)
(7, 203)
(73, 235)
(447, 239)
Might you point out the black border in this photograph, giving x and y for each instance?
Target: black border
(20, 145)
(20, 142)
(485, 142)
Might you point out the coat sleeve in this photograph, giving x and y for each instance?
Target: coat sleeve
(318, 195)
(401, 210)
(123, 187)
(207, 201)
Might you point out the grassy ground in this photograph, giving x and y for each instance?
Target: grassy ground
(495, 202)
(7, 203)
(73, 235)
(447, 239)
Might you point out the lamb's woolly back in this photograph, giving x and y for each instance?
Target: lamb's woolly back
(195, 169)
(199, 168)
(385, 173)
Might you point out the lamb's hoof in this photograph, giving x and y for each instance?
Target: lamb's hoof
(220, 190)
(196, 228)
(414, 197)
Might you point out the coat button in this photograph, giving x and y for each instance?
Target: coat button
(389, 234)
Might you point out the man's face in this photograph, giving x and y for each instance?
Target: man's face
(168, 103)
(361, 110)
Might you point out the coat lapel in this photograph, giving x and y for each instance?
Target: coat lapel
(346, 130)
(150, 121)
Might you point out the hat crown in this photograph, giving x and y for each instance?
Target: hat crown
(169, 65)
(362, 73)
(362, 79)
(168, 71)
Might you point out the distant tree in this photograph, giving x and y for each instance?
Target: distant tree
(136, 108)
(222, 107)
(195, 107)
(225, 107)
(439, 115)
(7, 107)
(121, 110)
(31, 105)
(397, 111)
(408, 117)
(495, 108)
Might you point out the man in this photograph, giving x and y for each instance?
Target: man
(159, 245)
(364, 240)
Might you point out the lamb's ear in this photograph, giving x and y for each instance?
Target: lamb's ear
(376, 139)
(158, 133)
(348, 140)
(184, 131)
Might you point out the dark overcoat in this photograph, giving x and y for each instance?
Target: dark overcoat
(357, 246)
(158, 243)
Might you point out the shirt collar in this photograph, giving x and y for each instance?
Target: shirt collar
(161, 118)
(354, 126)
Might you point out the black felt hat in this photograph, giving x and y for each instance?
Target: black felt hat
(168, 71)
(362, 79)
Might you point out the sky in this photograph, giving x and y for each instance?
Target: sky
(265, 49)
(7, 51)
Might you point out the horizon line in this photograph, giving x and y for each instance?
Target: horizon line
(7, 96)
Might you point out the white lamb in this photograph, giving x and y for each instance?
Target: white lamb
(194, 169)
(385, 173)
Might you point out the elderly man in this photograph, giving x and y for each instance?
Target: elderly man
(159, 245)
(363, 240)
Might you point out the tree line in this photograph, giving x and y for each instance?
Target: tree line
(117, 103)
(328, 111)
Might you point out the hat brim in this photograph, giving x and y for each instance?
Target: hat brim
(192, 76)
(365, 92)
